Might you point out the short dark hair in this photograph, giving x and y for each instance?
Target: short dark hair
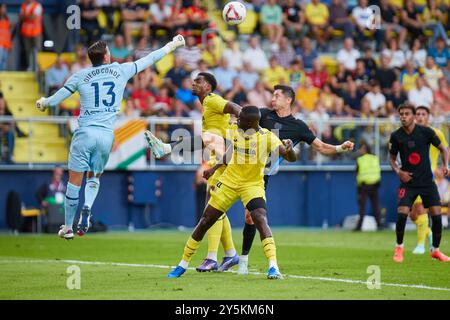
(287, 91)
(96, 52)
(407, 105)
(250, 110)
(423, 108)
(210, 79)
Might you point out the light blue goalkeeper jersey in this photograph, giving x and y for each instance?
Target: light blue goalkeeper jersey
(101, 89)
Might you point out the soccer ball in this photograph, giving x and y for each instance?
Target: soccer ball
(234, 13)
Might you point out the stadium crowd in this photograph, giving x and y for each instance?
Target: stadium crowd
(377, 64)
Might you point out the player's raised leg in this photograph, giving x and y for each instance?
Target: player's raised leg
(209, 217)
(71, 203)
(257, 208)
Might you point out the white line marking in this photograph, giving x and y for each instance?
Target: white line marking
(139, 265)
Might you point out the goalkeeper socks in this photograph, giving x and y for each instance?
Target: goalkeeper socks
(248, 233)
(422, 228)
(400, 227)
(91, 191)
(214, 234)
(436, 227)
(190, 249)
(227, 238)
(269, 248)
(71, 204)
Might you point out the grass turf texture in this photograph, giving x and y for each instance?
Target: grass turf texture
(329, 254)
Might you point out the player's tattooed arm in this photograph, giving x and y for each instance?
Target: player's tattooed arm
(232, 108)
(404, 176)
(329, 149)
(287, 151)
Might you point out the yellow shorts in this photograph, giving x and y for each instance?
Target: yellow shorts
(418, 200)
(212, 181)
(223, 197)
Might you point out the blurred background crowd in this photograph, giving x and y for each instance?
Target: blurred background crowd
(343, 61)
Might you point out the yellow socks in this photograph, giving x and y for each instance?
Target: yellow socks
(190, 249)
(227, 238)
(423, 230)
(270, 250)
(214, 234)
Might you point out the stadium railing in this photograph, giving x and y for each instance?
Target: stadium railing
(39, 149)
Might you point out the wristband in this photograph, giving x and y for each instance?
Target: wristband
(339, 149)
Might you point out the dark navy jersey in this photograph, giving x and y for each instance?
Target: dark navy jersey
(414, 152)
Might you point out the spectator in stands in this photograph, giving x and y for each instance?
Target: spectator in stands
(255, 55)
(130, 110)
(361, 75)
(237, 93)
(202, 67)
(440, 53)
(296, 74)
(81, 60)
(339, 19)
(369, 61)
(134, 17)
(179, 110)
(338, 81)
(31, 31)
(161, 18)
(234, 56)
(376, 99)
(352, 98)
(5, 37)
(432, 73)
(327, 98)
(396, 56)
(179, 17)
(119, 52)
(224, 76)
(185, 93)
(110, 8)
(197, 16)
(390, 23)
(176, 75)
(56, 76)
(421, 95)
(142, 48)
(318, 75)
(286, 53)
(317, 16)
(271, 21)
(293, 20)
(211, 55)
(143, 98)
(307, 54)
(162, 99)
(319, 114)
(89, 23)
(363, 18)
(307, 95)
(348, 55)
(417, 54)
(398, 95)
(447, 72)
(442, 97)
(259, 96)
(433, 16)
(190, 54)
(54, 191)
(248, 77)
(275, 74)
(6, 133)
(385, 75)
(411, 19)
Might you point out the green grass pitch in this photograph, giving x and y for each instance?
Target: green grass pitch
(316, 264)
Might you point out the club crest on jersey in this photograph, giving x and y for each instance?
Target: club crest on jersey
(414, 158)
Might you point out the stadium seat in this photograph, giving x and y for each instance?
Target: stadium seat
(249, 24)
(165, 64)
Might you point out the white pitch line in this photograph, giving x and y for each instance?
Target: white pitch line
(139, 265)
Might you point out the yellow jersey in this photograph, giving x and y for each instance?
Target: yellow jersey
(250, 155)
(434, 152)
(276, 76)
(317, 14)
(214, 120)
